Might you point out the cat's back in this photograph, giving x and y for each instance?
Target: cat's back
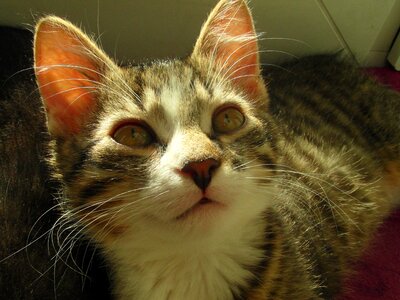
(328, 101)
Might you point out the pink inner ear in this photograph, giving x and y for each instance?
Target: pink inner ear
(229, 40)
(66, 76)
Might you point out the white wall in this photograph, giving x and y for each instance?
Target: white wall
(139, 29)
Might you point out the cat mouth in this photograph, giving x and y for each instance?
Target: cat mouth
(205, 206)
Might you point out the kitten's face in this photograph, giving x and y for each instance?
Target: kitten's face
(183, 144)
(182, 119)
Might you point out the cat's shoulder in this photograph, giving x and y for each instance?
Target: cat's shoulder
(314, 69)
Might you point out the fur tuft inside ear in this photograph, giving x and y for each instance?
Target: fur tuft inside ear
(68, 68)
(228, 42)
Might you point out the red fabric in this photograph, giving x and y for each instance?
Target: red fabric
(378, 271)
(387, 76)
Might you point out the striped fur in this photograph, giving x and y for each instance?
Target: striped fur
(300, 189)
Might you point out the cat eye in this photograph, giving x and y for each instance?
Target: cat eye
(227, 120)
(134, 135)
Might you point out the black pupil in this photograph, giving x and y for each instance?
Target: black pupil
(227, 120)
(133, 132)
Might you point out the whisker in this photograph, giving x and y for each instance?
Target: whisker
(308, 190)
(223, 65)
(244, 164)
(30, 232)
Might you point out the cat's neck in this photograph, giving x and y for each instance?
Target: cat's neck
(208, 267)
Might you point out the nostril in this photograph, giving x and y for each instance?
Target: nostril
(201, 171)
(213, 166)
(188, 170)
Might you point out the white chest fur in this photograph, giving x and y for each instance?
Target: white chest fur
(166, 267)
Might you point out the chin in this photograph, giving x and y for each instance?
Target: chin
(203, 215)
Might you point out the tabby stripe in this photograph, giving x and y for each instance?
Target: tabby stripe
(295, 157)
(96, 187)
(357, 115)
(356, 110)
(276, 286)
(314, 120)
(253, 139)
(237, 164)
(344, 99)
(138, 81)
(193, 78)
(267, 161)
(77, 167)
(269, 248)
(203, 78)
(324, 115)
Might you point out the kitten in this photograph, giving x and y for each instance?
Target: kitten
(199, 180)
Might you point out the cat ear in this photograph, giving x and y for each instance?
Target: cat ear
(69, 68)
(228, 42)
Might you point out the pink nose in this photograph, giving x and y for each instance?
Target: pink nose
(201, 171)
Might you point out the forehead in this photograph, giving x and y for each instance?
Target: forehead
(174, 91)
